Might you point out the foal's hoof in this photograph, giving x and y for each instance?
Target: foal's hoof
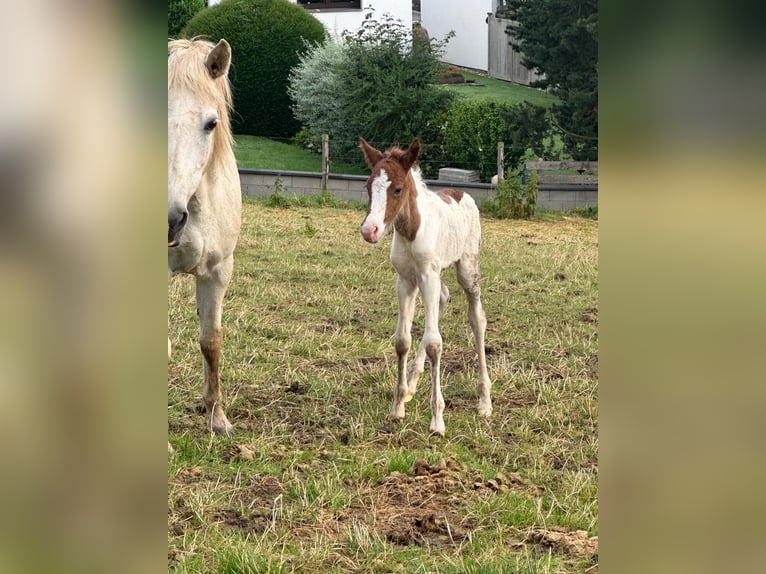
(484, 407)
(408, 397)
(437, 429)
(225, 430)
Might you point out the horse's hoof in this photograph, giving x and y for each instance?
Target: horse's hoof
(437, 429)
(228, 431)
(408, 397)
(485, 412)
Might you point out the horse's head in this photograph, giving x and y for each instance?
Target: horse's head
(199, 98)
(390, 186)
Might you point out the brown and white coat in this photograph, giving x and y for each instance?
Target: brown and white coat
(431, 232)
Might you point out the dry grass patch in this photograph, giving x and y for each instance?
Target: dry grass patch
(318, 478)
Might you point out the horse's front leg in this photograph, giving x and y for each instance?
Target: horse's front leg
(417, 364)
(210, 292)
(430, 287)
(406, 291)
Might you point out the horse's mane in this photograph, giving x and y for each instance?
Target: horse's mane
(187, 71)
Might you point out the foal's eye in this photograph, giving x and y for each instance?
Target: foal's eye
(210, 126)
(397, 191)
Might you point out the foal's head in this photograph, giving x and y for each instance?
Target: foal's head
(199, 99)
(390, 186)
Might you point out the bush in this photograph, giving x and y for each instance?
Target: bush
(267, 38)
(377, 84)
(473, 129)
(512, 199)
(180, 12)
(315, 89)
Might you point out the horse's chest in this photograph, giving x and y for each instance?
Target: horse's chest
(186, 257)
(412, 258)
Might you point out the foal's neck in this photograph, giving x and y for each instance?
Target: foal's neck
(407, 221)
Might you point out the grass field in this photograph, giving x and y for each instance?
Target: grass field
(317, 480)
(262, 153)
(500, 91)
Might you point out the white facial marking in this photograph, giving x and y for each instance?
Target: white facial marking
(379, 195)
(374, 224)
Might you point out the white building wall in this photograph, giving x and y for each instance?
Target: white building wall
(469, 48)
(338, 21)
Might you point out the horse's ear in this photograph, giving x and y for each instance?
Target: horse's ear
(371, 155)
(413, 153)
(218, 59)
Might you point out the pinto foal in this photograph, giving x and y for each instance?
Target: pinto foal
(431, 231)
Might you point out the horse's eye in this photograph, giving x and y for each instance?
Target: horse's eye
(397, 191)
(210, 126)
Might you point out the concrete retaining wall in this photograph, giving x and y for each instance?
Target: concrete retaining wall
(261, 183)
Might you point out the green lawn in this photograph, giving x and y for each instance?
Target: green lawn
(499, 91)
(262, 153)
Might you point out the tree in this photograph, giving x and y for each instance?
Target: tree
(560, 39)
(267, 38)
(180, 12)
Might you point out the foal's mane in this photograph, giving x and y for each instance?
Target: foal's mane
(187, 71)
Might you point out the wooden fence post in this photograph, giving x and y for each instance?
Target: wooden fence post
(325, 160)
(500, 161)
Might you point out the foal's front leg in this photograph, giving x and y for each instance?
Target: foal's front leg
(210, 293)
(430, 287)
(406, 291)
(417, 364)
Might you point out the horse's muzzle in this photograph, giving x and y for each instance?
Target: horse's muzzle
(371, 231)
(177, 219)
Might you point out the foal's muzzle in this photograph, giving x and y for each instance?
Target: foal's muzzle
(177, 219)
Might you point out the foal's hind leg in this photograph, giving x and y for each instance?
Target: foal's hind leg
(417, 364)
(468, 277)
(210, 293)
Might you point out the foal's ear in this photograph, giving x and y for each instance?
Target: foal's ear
(371, 155)
(218, 59)
(413, 153)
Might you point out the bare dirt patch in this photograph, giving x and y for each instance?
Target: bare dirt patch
(574, 543)
(427, 505)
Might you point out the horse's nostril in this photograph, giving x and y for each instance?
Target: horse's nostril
(177, 219)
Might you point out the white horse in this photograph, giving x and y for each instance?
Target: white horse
(431, 232)
(204, 196)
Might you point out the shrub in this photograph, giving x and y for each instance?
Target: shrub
(473, 129)
(314, 87)
(180, 12)
(267, 38)
(376, 84)
(513, 200)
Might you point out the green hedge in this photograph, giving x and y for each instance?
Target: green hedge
(473, 129)
(179, 14)
(267, 37)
